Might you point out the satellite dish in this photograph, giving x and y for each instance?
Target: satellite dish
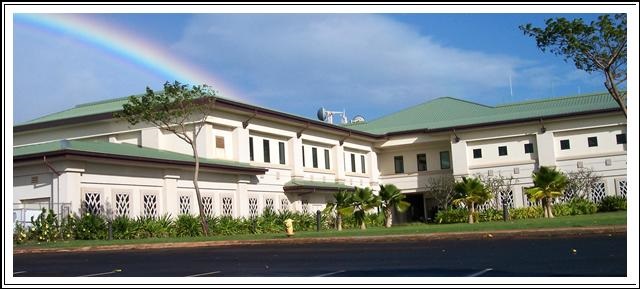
(322, 114)
(357, 118)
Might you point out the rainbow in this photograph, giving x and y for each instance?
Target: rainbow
(125, 46)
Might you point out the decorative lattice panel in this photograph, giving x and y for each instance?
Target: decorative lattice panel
(284, 205)
(207, 206)
(507, 198)
(253, 207)
(598, 192)
(268, 204)
(185, 205)
(622, 188)
(150, 206)
(227, 206)
(305, 206)
(123, 205)
(92, 203)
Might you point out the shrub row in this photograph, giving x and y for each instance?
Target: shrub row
(48, 228)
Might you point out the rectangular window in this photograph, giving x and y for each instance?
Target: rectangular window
(502, 150)
(314, 157)
(304, 163)
(528, 148)
(219, 142)
(593, 141)
(422, 162)
(281, 151)
(399, 164)
(477, 153)
(564, 144)
(445, 162)
(353, 163)
(362, 164)
(250, 148)
(621, 138)
(327, 161)
(266, 150)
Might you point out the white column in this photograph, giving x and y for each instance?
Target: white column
(339, 163)
(459, 158)
(241, 145)
(295, 157)
(545, 149)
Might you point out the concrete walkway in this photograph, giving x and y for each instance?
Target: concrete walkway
(499, 234)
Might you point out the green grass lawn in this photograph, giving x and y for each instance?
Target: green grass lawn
(600, 219)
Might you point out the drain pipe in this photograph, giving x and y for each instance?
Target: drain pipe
(53, 171)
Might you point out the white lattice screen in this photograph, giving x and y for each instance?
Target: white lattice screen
(123, 205)
(149, 206)
(227, 206)
(253, 207)
(207, 206)
(92, 203)
(185, 205)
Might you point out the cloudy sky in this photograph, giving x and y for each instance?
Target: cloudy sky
(367, 64)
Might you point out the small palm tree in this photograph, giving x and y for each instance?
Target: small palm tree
(390, 198)
(363, 200)
(548, 184)
(471, 192)
(342, 206)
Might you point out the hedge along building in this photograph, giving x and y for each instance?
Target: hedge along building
(255, 158)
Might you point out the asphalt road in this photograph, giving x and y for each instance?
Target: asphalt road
(602, 255)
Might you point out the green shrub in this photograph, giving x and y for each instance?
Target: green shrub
(45, 228)
(526, 213)
(91, 227)
(450, 216)
(612, 203)
(188, 226)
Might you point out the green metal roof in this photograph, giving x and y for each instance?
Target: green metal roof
(314, 184)
(448, 112)
(115, 149)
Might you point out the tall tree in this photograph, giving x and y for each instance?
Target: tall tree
(598, 46)
(179, 109)
(548, 184)
(391, 198)
(342, 206)
(471, 192)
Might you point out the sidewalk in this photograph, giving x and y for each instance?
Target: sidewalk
(499, 234)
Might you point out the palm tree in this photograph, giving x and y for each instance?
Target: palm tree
(363, 200)
(342, 206)
(548, 184)
(391, 197)
(471, 192)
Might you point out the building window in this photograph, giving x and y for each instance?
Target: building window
(304, 163)
(621, 138)
(592, 141)
(564, 144)
(207, 204)
(314, 157)
(219, 142)
(399, 164)
(502, 150)
(149, 206)
(250, 148)
(528, 148)
(123, 205)
(363, 165)
(266, 150)
(422, 162)
(281, 151)
(353, 163)
(327, 161)
(185, 205)
(477, 153)
(445, 162)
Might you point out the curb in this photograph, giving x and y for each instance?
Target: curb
(500, 234)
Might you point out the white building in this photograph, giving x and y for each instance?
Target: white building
(254, 157)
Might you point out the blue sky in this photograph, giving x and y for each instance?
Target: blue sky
(367, 64)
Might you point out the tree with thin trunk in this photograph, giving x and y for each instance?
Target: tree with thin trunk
(179, 109)
(471, 192)
(391, 198)
(548, 184)
(342, 206)
(363, 199)
(599, 46)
